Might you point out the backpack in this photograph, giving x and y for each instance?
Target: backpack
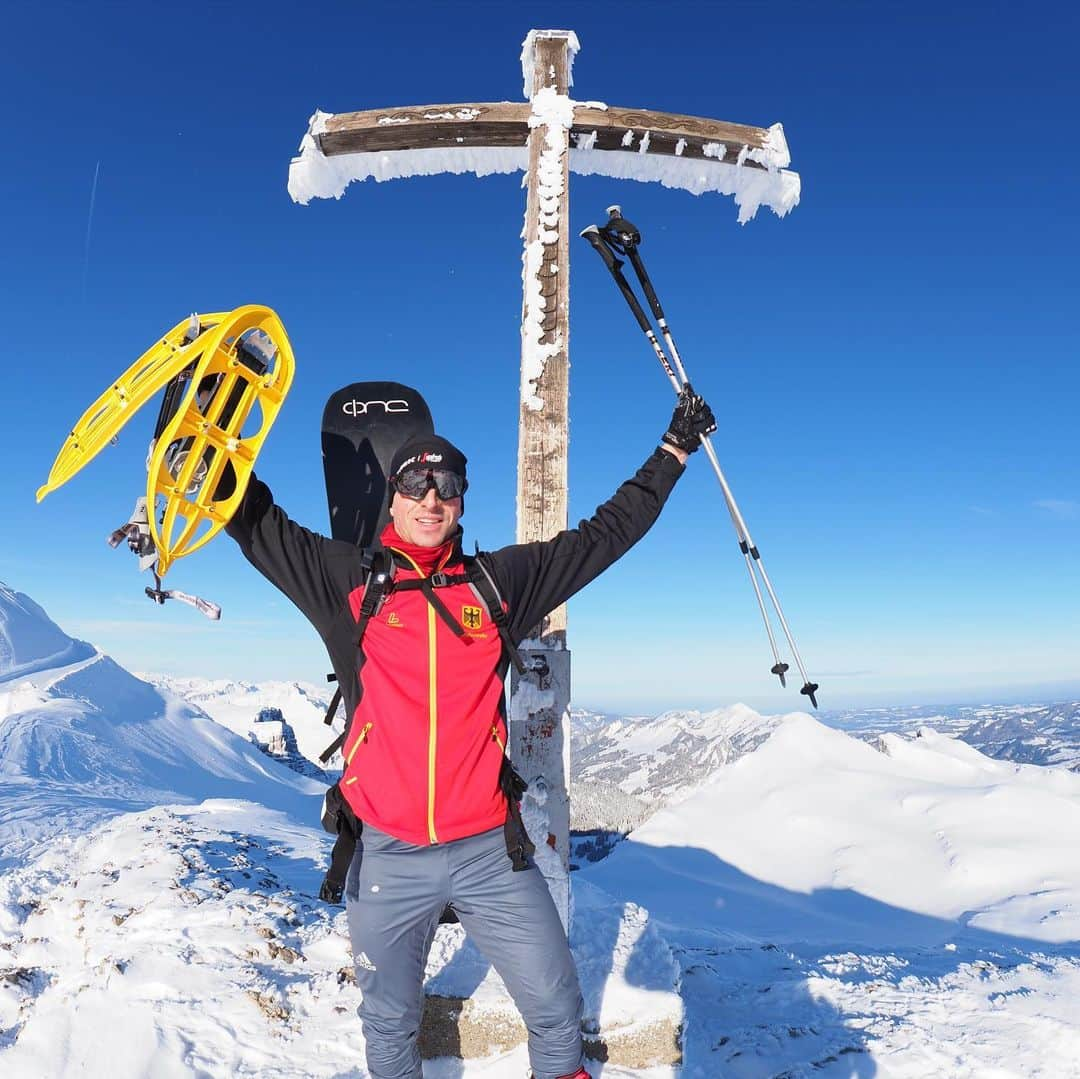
(337, 816)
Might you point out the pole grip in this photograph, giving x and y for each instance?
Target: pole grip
(614, 265)
(646, 283)
(592, 234)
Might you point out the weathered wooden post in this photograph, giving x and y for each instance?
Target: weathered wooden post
(540, 700)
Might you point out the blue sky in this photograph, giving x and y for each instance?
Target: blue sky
(893, 365)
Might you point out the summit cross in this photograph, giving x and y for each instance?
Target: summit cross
(546, 136)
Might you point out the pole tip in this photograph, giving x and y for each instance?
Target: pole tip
(810, 689)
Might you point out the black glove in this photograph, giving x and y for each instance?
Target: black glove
(691, 419)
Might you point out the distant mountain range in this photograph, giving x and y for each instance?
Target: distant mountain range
(625, 768)
(1047, 734)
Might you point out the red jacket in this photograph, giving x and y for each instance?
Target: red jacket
(427, 727)
(430, 772)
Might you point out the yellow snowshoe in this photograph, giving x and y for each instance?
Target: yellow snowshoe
(225, 377)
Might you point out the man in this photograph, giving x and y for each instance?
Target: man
(425, 769)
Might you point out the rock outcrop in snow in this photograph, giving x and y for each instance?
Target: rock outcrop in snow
(237, 705)
(274, 735)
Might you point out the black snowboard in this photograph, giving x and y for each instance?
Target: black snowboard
(363, 425)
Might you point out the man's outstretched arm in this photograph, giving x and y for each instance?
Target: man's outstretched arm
(316, 573)
(537, 577)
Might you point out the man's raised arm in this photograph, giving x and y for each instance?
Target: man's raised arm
(316, 573)
(537, 577)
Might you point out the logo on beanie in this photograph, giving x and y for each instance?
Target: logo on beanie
(424, 458)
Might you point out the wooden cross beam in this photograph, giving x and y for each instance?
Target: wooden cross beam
(506, 123)
(547, 136)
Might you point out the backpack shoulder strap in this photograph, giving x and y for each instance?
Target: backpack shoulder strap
(487, 591)
(377, 583)
(378, 568)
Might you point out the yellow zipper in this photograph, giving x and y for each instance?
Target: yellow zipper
(433, 699)
(433, 708)
(495, 735)
(362, 736)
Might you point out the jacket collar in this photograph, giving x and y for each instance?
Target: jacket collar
(426, 560)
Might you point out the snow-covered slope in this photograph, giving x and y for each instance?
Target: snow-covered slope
(927, 825)
(625, 767)
(78, 731)
(903, 906)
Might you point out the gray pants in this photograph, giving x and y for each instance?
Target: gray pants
(394, 895)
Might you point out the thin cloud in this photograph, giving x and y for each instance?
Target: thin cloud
(89, 226)
(1063, 508)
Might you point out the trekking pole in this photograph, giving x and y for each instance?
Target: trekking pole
(624, 237)
(614, 264)
(592, 234)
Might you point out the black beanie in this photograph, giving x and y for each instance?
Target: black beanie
(428, 451)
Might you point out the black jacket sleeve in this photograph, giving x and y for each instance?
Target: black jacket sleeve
(535, 578)
(316, 573)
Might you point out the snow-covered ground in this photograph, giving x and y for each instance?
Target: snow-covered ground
(838, 909)
(903, 907)
(158, 897)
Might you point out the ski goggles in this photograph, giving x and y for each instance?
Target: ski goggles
(416, 482)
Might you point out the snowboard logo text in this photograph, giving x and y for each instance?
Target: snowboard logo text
(362, 408)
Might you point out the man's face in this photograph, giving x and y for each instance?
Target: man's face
(428, 521)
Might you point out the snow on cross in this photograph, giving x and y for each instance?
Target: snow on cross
(546, 136)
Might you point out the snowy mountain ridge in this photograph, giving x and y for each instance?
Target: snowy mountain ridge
(76, 729)
(911, 908)
(30, 641)
(624, 768)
